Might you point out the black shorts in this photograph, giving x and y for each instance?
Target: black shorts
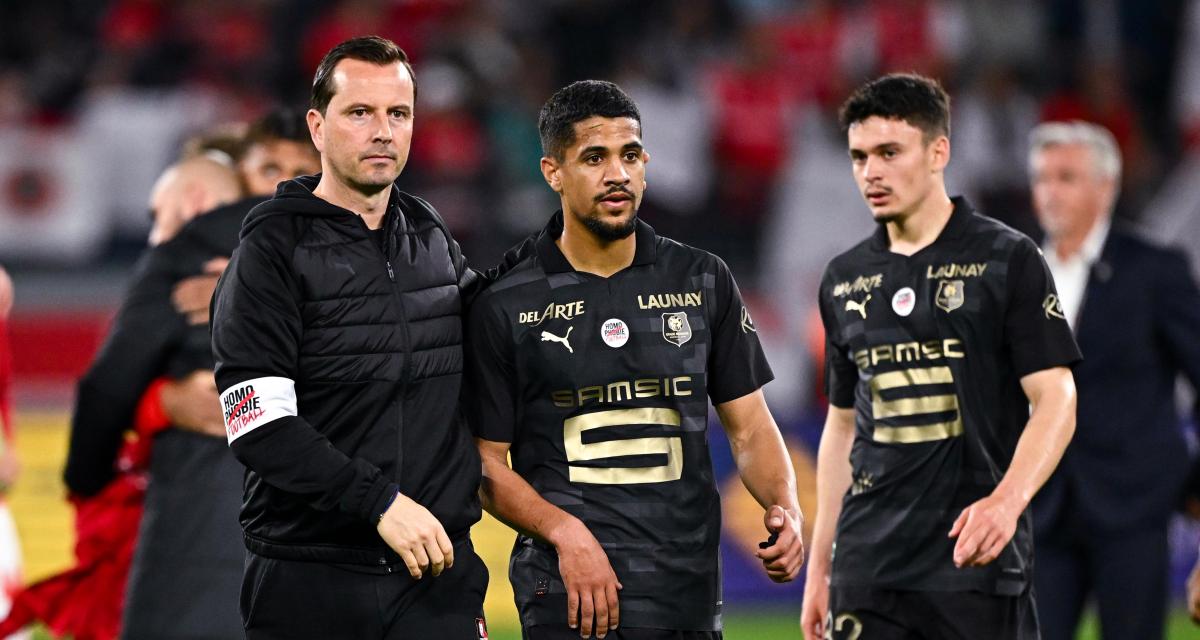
(291, 600)
(890, 614)
(563, 632)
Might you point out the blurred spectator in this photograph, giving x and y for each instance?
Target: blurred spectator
(187, 189)
(1101, 521)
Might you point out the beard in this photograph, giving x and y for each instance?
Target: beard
(610, 232)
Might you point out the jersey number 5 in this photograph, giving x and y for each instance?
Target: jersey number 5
(578, 451)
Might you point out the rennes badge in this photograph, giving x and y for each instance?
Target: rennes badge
(676, 328)
(949, 295)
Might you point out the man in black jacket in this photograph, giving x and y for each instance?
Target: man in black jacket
(185, 573)
(337, 334)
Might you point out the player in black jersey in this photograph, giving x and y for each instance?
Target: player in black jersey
(593, 360)
(951, 400)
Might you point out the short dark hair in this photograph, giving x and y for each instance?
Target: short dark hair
(915, 99)
(279, 124)
(579, 101)
(380, 51)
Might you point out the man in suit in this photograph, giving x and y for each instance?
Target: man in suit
(1100, 523)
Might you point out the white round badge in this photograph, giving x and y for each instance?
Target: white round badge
(904, 301)
(615, 332)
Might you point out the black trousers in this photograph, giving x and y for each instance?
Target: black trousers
(1127, 573)
(290, 600)
(890, 614)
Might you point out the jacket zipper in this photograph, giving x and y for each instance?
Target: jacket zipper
(388, 250)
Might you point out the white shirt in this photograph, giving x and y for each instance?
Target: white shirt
(1071, 274)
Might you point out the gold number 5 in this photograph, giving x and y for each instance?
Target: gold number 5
(578, 451)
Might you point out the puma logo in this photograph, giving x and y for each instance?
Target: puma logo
(564, 341)
(860, 307)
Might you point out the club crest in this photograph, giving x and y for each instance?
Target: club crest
(676, 328)
(950, 295)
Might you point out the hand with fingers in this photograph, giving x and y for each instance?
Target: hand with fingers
(592, 585)
(191, 296)
(193, 404)
(784, 556)
(417, 536)
(983, 529)
(815, 609)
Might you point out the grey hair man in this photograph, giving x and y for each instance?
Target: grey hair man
(1100, 523)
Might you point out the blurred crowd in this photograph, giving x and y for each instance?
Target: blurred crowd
(738, 99)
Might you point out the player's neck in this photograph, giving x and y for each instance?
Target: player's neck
(593, 255)
(370, 206)
(920, 228)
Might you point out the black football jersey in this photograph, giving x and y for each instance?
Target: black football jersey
(602, 386)
(929, 350)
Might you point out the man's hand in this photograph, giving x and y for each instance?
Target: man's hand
(192, 296)
(417, 536)
(816, 604)
(193, 404)
(1193, 593)
(984, 529)
(783, 559)
(589, 578)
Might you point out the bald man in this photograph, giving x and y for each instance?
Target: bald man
(187, 189)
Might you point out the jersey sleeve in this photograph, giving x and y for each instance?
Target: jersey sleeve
(1036, 333)
(841, 374)
(491, 373)
(256, 328)
(737, 364)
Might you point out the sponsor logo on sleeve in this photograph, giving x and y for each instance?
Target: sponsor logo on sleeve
(747, 321)
(1053, 307)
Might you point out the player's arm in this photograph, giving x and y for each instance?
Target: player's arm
(589, 578)
(1040, 347)
(766, 470)
(256, 328)
(142, 334)
(833, 481)
(985, 527)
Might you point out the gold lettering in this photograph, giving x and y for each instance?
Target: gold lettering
(948, 348)
(882, 353)
(908, 352)
(565, 398)
(646, 388)
(972, 270)
(675, 382)
(577, 451)
(615, 389)
(591, 393)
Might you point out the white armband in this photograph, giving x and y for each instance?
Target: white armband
(250, 404)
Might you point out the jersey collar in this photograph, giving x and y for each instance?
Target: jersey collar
(955, 227)
(553, 260)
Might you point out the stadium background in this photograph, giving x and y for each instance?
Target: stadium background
(738, 100)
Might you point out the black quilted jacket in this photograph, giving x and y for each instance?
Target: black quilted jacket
(340, 367)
